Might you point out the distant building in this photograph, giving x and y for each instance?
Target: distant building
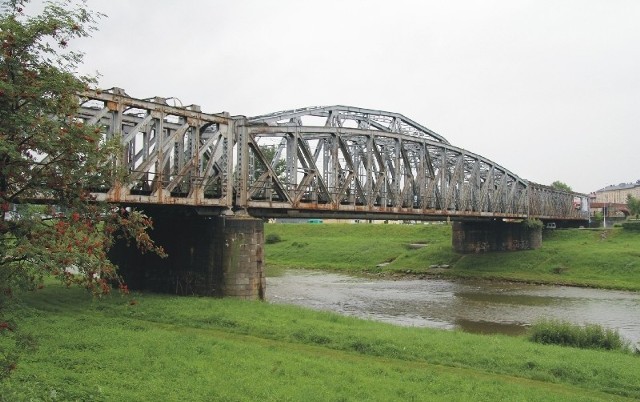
(611, 201)
(617, 194)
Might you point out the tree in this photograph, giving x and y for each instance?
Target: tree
(47, 156)
(558, 185)
(634, 205)
(280, 165)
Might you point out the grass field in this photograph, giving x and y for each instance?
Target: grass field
(201, 349)
(148, 347)
(607, 259)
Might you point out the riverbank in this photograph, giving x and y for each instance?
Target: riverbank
(148, 347)
(470, 305)
(577, 257)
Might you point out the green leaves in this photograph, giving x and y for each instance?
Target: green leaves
(558, 185)
(634, 205)
(49, 156)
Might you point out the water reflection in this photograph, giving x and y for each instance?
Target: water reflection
(486, 327)
(473, 306)
(514, 299)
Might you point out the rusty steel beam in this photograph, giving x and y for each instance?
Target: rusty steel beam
(172, 155)
(316, 161)
(383, 171)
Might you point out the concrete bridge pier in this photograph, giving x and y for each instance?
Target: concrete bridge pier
(494, 235)
(208, 256)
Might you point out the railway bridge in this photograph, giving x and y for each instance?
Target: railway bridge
(209, 180)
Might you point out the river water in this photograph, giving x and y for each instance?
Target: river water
(468, 305)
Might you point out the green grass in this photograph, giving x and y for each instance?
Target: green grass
(358, 247)
(591, 336)
(572, 257)
(189, 348)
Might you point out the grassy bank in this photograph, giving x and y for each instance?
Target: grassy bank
(579, 257)
(188, 348)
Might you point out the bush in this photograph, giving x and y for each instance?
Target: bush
(631, 225)
(533, 224)
(591, 336)
(272, 238)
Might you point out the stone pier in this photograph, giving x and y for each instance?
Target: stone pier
(208, 256)
(495, 235)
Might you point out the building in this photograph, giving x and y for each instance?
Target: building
(617, 194)
(611, 201)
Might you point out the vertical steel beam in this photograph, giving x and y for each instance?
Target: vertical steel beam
(242, 176)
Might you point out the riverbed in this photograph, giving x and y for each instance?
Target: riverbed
(468, 305)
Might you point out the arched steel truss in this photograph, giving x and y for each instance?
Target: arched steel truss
(320, 161)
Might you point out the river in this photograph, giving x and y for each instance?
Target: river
(469, 305)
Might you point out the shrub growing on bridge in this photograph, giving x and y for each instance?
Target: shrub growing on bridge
(533, 223)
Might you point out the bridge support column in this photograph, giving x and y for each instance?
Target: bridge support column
(475, 237)
(208, 256)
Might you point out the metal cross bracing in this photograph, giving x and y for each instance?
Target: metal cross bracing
(320, 161)
(172, 154)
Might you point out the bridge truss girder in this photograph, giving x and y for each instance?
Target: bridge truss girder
(348, 162)
(170, 155)
(547, 203)
(356, 170)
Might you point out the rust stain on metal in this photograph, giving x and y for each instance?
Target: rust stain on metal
(385, 164)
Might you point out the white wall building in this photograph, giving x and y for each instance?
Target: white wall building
(617, 194)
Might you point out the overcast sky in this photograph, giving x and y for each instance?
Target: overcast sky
(548, 89)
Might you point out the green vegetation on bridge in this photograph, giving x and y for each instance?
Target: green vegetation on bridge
(580, 257)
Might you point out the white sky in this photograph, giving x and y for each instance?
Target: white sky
(549, 89)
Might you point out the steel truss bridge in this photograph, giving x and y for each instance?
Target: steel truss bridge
(335, 161)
